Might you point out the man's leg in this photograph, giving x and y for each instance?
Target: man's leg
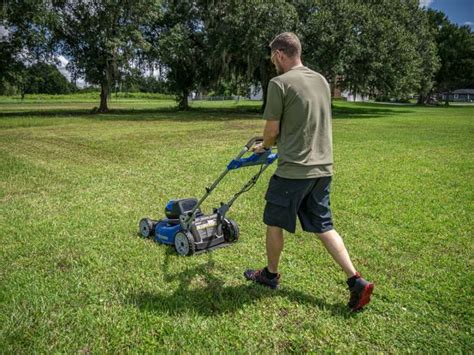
(274, 244)
(269, 275)
(335, 246)
(360, 289)
(280, 213)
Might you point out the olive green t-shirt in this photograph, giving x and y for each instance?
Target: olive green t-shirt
(301, 100)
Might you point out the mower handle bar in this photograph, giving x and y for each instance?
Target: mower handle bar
(185, 219)
(252, 141)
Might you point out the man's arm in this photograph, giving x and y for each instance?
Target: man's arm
(270, 134)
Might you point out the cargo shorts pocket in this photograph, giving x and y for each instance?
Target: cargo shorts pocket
(277, 199)
(278, 212)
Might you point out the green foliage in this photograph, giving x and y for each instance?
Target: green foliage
(46, 79)
(101, 38)
(377, 48)
(75, 276)
(39, 78)
(330, 32)
(239, 34)
(428, 51)
(395, 65)
(7, 88)
(26, 42)
(150, 84)
(14, 80)
(383, 48)
(181, 51)
(178, 38)
(10, 67)
(456, 50)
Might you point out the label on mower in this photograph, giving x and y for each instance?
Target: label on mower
(208, 224)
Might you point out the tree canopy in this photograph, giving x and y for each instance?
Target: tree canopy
(455, 46)
(387, 48)
(46, 79)
(100, 38)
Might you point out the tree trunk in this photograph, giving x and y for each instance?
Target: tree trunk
(183, 101)
(332, 80)
(104, 93)
(264, 95)
(265, 76)
(332, 88)
(106, 85)
(22, 91)
(446, 100)
(421, 99)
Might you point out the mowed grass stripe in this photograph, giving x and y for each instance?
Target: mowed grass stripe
(76, 277)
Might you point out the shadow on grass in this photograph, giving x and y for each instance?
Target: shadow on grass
(201, 291)
(365, 111)
(146, 114)
(193, 114)
(241, 112)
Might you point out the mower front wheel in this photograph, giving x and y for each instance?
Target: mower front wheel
(184, 244)
(230, 230)
(147, 227)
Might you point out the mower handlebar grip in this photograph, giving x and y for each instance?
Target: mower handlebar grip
(252, 141)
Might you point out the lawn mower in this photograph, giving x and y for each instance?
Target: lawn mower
(188, 228)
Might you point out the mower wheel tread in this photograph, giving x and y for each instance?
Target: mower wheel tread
(147, 227)
(184, 244)
(231, 230)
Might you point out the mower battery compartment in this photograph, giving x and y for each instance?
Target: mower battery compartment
(206, 231)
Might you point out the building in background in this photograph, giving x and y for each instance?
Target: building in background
(460, 95)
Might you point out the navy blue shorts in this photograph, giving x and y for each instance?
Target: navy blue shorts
(306, 198)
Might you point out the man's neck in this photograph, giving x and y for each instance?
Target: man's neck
(292, 65)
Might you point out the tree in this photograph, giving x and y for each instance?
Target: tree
(12, 70)
(151, 84)
(45, 78)
(428, 52)
(456, 51)
(100, 38)
(178, 43)
(239, 34)
(367, 47)
(330, 31)
(181, 50)
(25, 40)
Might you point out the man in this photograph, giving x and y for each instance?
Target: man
(298, 119)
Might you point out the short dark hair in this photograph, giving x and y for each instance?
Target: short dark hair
(288, 43)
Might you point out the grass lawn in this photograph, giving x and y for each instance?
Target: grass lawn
(75, 276)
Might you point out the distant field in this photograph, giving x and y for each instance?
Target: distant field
(93, 96)
(75, 276)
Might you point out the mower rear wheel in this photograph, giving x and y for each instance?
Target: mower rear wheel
(184, 244)
(230, 230)
(147, 227)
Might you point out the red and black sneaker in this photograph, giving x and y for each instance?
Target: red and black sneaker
(361, 290)
(261, 276)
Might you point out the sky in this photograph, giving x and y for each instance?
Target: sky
(460, 12)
